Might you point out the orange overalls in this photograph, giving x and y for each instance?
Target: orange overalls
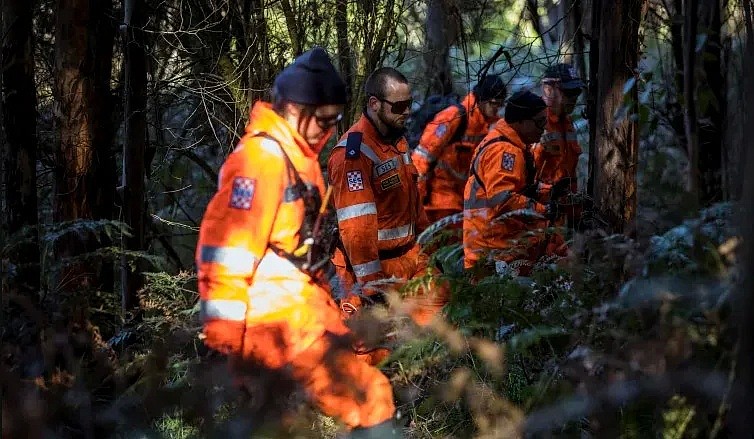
(556, 157)
(379, 216)
(444, 161)
(259, 306)
(500, 173)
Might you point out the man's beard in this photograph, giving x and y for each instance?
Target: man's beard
(394, 131)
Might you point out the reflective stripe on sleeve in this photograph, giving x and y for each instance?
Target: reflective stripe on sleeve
(233, 310)
(426, 154)
(236, 259)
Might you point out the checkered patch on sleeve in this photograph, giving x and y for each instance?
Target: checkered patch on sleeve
(242, 193)
(509, 160)
(355, 181)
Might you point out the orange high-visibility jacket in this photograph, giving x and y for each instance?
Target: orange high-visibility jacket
(449, 161)
(241, 280)
(498, 177)
(376, 199)
(557, 154)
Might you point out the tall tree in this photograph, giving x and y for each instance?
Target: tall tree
(19, 116)
(616, 140)
(712, 99)
(742, 410)
(134, 145)
(84, 166)
(441, 32)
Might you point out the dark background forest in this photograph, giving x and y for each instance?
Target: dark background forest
(117, 114)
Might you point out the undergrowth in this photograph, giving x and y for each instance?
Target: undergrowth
(624, 342)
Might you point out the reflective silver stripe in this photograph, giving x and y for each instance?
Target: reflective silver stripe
(395, 233)
(367, 268)
(356, 210)
(424, 153)
(234, 310)
(406, 158)
(235, 259)
(444, 165)
(473, 139)
(365, 149)
(480, 203)
(552, 136)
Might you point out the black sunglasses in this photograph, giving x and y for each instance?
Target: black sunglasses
(571, 92)
(540, 122)
(327, 122)
(397, 107)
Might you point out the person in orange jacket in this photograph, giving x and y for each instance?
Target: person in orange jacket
(378, 208)
(444, 153)
(556, 156)
(264, 300)
(500, 199)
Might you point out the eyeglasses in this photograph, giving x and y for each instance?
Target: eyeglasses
(327, 122)
(540, 122)
(572, 92)
(496, 103)
(397, 107)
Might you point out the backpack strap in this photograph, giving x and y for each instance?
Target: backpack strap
(463, 114)
(479, 154)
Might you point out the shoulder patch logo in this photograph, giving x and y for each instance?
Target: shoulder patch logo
(509, 160)
(242, 193)
(441, 130)
(355, 181)
(390, 182)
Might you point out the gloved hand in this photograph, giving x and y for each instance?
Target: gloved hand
(224, 336)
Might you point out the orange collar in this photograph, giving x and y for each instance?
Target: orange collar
(502, 127)
(265, 120)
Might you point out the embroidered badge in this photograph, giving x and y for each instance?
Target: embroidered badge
(355, 181)
(384, 168)
(242, 193)
(390, 182)
(508, 161)
(441, 130)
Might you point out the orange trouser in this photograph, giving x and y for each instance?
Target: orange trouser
(526, 252)
(334, 378)
(422, 306)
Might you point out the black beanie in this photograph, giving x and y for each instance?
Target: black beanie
(523, 105)
(490, 87)
(311, 80)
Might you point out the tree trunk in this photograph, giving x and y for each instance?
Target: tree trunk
(677, 45)
(712, 99)
(591, 97)
(344, 55)
(84, 188)
(134, 146)
(616, 141)
(19, 117)
(691, 8)
(442, 32)
(742, 408)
